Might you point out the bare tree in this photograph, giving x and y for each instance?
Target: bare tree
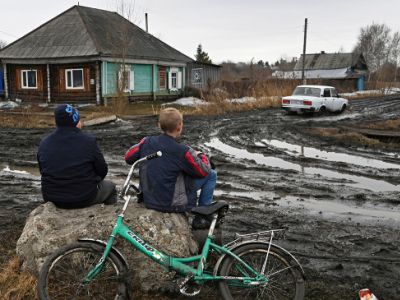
(125, 8)
(373, 43)
(394, 52)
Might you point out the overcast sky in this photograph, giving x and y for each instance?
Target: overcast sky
(236, 30)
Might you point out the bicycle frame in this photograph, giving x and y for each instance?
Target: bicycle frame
(180, 265)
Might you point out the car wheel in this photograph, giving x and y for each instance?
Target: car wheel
(343, 108)
(322, 110)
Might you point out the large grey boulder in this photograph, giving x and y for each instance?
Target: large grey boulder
(48, 228)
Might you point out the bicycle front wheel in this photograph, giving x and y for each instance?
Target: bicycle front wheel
(63, 272)
(285, 280)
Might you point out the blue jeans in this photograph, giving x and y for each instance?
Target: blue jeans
(206, 186)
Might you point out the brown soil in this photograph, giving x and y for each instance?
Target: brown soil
(337, 198)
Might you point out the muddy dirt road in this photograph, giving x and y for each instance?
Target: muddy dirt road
(339, 203)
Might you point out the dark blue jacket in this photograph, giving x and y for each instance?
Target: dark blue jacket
(167, 182)
(71, 165)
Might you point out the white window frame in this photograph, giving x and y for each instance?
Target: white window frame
(178, 81)
(72, 79)
(22, 79)
(131, 79)
(174, 76)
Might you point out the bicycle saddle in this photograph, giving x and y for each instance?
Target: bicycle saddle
(210, 209)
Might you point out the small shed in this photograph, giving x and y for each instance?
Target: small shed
(346, 69)
(201, 75)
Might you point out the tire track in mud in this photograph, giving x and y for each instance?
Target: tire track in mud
(346, 238)
(338, 247)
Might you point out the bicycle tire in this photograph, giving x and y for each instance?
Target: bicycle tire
(287, 284)
(62, 274)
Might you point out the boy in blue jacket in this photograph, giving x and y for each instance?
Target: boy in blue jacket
(170, 183)
(72, 166)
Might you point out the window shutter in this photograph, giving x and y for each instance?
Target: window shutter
(62, 80)
(86, 79)
(169, 80)
(18, 78)
(179, 83)
(39, 79)
(132, 80)
(119, 81)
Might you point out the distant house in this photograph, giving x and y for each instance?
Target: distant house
(86, 54)
(344, 68)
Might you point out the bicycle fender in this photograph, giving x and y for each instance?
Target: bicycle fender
(217, 265)
(114, 250)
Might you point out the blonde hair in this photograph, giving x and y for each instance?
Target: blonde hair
(169, 119)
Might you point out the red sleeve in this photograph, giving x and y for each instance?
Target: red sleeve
(197, 166)
(133, 154)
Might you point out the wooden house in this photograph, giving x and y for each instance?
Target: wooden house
(87, 55)
(338, 69)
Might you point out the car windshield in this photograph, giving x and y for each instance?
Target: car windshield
(307, 91)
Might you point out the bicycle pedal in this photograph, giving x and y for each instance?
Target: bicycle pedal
(190, 289)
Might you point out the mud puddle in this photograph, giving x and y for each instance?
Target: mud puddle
(311, 152)
(367, 214)
(269, 161)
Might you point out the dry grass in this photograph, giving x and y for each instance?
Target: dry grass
(345, 137)
(385, 125)
(265, 94)
(25, 120)
(16, 285)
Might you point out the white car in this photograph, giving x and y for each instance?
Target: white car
(314, 98)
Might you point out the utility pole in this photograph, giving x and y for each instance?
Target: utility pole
(304, 52)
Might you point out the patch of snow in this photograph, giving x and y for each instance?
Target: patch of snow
(242, 100)
(8, 105)
(187, 101)
(8, 170)
(386, 91)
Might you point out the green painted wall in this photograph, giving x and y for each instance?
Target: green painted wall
(143, 78)
(109, 78)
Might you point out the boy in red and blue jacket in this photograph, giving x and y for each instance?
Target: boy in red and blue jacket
(170, 183)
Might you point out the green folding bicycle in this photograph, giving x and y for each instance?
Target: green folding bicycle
(250, 267)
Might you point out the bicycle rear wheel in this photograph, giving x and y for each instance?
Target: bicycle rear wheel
(62, 274)
(285, 280)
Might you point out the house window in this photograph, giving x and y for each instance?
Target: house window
(174, 76)
(197, 76)
(175, 79)
(74, 79)
(29, 79)
(126, 79)
(163, 78)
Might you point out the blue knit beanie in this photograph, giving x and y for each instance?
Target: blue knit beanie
(66, 116)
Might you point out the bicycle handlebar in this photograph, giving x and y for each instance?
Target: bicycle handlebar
(148, 157)
(154, 155)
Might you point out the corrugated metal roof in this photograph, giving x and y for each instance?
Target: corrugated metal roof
(313, 74)
(83, 31)
(328, 61)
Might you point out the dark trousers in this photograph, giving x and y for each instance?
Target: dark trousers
(106, 193)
